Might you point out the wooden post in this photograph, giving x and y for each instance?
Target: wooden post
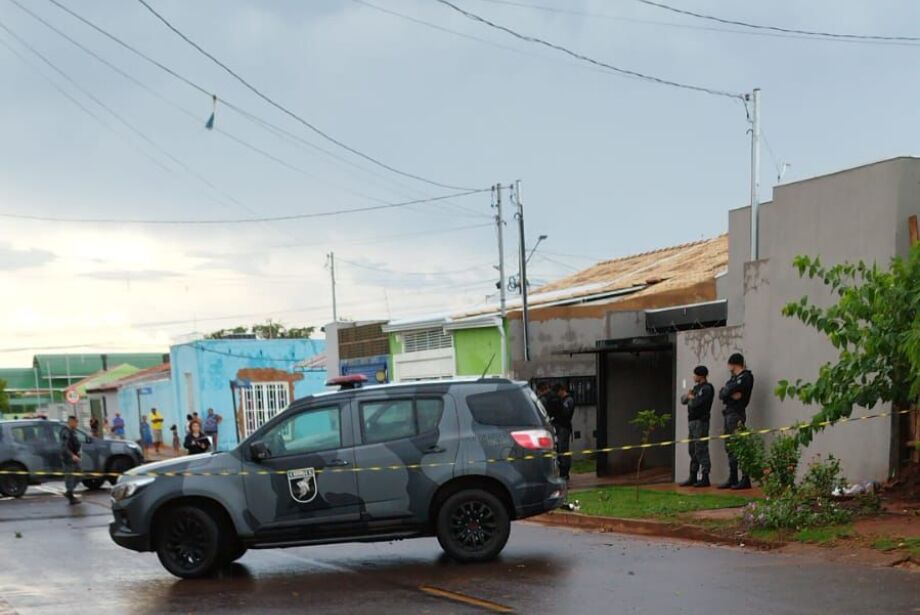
(914, 231)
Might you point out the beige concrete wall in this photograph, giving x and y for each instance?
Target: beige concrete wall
(709, 347)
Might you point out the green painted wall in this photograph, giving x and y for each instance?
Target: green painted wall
(473, 348)
(395, 348)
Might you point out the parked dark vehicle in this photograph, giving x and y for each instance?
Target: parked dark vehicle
(34, 445)
(367, 464)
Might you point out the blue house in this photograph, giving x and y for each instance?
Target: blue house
(246, 381)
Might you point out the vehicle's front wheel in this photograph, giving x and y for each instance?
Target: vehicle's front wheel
(119, 466)
(188, 542)
(13, 485)
(93, 484)
(473, 526)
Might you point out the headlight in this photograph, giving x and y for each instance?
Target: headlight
(134, 446)
(129, 488)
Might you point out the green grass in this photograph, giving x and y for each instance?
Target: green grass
(911, 545)
(584, 466)
(620, 501)
(826, 535)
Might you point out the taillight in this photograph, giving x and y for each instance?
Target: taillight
(534, 439)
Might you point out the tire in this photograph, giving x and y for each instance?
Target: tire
(93, 484)
(233, 552)
(13, 485)
(119, 465)
(473, 526)
(188, 542)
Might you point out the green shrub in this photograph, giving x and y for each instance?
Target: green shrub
(822, 478)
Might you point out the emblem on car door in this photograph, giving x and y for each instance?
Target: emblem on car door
(302, 485)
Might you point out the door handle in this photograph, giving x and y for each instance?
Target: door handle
(433, 449)
(337, 463)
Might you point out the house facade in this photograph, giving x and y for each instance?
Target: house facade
(246, 381)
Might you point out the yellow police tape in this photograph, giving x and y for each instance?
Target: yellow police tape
(418, 466)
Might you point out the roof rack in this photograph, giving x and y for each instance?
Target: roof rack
(347, 383)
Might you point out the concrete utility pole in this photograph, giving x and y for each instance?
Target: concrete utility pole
(330, 260)
(522, 267)
(499, 223)
(755, 173)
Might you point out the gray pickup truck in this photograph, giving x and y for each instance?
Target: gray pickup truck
(34, 445)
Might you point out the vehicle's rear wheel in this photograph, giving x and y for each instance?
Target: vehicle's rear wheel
(117, 466)
(13, 485)
(93, 484)
(188, 542)
(473, 526)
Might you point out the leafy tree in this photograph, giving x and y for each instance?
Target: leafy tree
(875, 327)
(268, 330)
(648, 421)
(4, 397)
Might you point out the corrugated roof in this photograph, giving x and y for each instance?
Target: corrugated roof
(157, 372)
(82, 365)
(102, 377)
(18, 378)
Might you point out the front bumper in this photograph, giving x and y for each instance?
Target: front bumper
(123, 535)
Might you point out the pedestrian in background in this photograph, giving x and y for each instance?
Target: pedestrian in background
(543, 395)
(736, 395)
(699, 405)
(195, 441)
(563, 409)
(211, 425)
(188, 423)
(118, 426)
(70, 455)
(94, 426)
(146, 435)
(175, 438)
(156, 421)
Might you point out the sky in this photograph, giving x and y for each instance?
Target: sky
(609, 165)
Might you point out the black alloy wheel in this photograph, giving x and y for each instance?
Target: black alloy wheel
(473, 526)
(188, 542)
(13, 485)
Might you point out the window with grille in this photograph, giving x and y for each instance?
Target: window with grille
(429, 339)
(261, 402)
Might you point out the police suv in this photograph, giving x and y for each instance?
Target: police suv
(457, 459)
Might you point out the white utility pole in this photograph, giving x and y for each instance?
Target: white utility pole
(522, 267)
(330, 260)
(499, 223)
(755, 173)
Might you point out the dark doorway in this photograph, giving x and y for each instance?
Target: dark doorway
(634, 374)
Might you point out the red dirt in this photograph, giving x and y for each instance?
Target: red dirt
(906, 487)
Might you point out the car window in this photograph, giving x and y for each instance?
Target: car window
(27, 434)
(506, 408)
(393, 419)
(319, 429)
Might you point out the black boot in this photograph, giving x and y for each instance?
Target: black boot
(744, 484)
(704, 481)
(732, 477)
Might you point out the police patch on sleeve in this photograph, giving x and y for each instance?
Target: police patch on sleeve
(302, 485)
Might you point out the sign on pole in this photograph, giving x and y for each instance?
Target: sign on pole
(72, 397)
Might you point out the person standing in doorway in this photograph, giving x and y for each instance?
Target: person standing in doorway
(118, 426)
(211, 424)
(146, 435)
(561, 416)
(94, 426)
(156, 421)
(70, 455)
(736, 395)
(699, 404)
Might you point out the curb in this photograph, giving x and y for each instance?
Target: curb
(647, 527)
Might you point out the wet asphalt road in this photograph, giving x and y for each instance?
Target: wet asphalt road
(64, 562)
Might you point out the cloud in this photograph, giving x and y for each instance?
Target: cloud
(11, 258)
(146, 275)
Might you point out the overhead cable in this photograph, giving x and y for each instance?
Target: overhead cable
(286, 110)
(302, 216)
(747, 24)
(616, 69)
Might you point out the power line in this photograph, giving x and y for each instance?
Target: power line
(584, 58)
(745, 24)
(686, 26)
(321, 214)
(287, 111)
(422, 273)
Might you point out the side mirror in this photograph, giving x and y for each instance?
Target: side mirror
(259, 451)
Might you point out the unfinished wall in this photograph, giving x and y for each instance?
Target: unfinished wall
(859, 214)
(709, 347)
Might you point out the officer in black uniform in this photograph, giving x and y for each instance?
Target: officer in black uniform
(70, 455)
(736, 395)
(699, 404)
(561, 410)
